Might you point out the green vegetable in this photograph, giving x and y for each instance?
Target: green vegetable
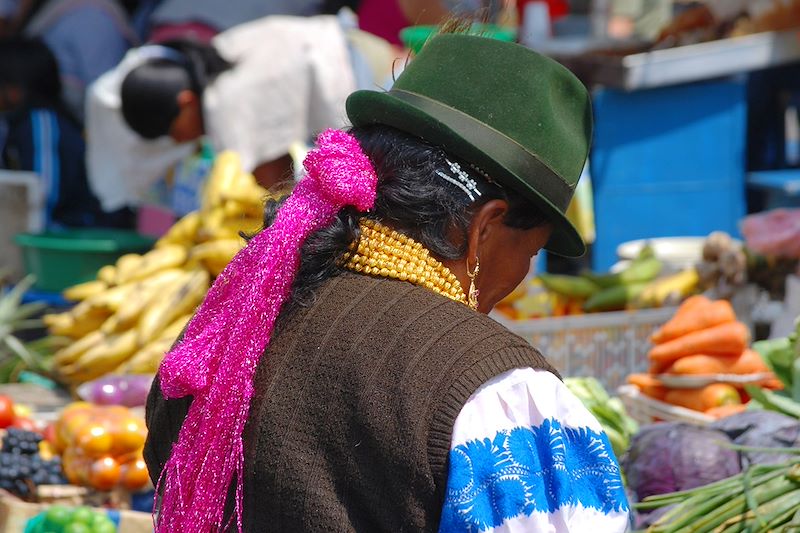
(774, 401)
(640, 270)
(614, 298)
(761, 499)
(571, 286)
(618, 426)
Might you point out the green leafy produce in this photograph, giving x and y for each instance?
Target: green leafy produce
(618, 426)
(15, 317)
(783, 358)
(761, 499)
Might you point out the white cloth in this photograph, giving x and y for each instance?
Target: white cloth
(290, 79)
(526, 455)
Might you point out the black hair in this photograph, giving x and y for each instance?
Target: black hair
(412, 199)
(29, 64)
(150, 91)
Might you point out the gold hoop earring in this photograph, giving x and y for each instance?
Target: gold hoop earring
(472, 297)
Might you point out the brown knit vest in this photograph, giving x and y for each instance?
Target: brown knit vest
(355, 403)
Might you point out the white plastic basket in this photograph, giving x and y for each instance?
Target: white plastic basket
(646, 410)
(607, 346)
(675, 381)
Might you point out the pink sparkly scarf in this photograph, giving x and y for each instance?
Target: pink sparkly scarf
(216, 361)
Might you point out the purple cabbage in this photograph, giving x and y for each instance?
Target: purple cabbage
(669, 457)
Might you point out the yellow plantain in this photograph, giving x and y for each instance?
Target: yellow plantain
(167, 256)
(147, 359)
(109, 300)
(215, 255)
(101, 358)
(146, 291)
(183, 232)
(239, 208)
(227, 167)
(178, 300)
(675, 287)
(69, 354)
(82, 291)
(107, 274)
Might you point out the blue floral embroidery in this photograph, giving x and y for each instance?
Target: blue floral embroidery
(525, 470)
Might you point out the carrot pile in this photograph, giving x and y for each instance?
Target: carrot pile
(704, 338)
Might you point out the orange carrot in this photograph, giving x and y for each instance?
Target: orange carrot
(698, 316)
(702, 364)
(692, 302)
(726, 410)
(714, 395)
(749, 362)
(725, 339)
(649, 385)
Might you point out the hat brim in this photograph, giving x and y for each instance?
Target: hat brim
(374, 107)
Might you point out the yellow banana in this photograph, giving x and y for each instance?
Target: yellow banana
(109, 300)
(148, 358)
(147, 291)
(107, 274)
(101, 358)
(167, 256)
(180, 299)
(235, 208)
(70, 354)
(82, 291)
(126, 267)
(183, 232)
(215, 255)
(675, 287)
(226, 169)
(77, 322)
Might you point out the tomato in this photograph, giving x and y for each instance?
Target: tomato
(6, 411)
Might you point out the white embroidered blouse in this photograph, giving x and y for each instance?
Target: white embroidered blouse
(526, 455)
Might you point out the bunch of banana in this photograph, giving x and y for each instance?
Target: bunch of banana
(639, 285)
(127, 318)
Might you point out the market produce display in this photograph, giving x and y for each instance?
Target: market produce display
(783, 357)
(638, 285)
(61, 519)
(131, 314)
(701, 359)
(23, 468)
(102, 446)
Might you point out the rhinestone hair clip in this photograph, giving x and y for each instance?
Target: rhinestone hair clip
(462, 180)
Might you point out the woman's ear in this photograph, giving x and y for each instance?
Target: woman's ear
(485, 223)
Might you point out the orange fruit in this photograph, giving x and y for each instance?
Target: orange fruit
(94, 439)
(134, 475)
(129, 435)
(104, 473)
(69, 425)
(76, 466)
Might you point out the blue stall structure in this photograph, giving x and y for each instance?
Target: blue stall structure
(670, 155)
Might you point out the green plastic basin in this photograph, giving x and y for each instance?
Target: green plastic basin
(60, 259)
(415, 37)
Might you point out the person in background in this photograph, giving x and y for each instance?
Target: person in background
(255, 89)
(40, 136)
(641, 19)
(87, 37)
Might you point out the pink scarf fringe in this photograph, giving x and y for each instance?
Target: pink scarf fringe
(217, 359)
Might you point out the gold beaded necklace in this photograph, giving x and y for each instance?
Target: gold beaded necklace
(384, 252)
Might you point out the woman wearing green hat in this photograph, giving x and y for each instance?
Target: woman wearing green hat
(342, 374)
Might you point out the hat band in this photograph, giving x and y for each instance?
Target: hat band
(505, 151)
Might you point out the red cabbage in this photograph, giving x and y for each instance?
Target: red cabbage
(669, 457)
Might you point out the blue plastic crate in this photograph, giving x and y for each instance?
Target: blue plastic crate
(668, 162)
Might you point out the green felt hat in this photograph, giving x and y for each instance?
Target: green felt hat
(520, 117)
